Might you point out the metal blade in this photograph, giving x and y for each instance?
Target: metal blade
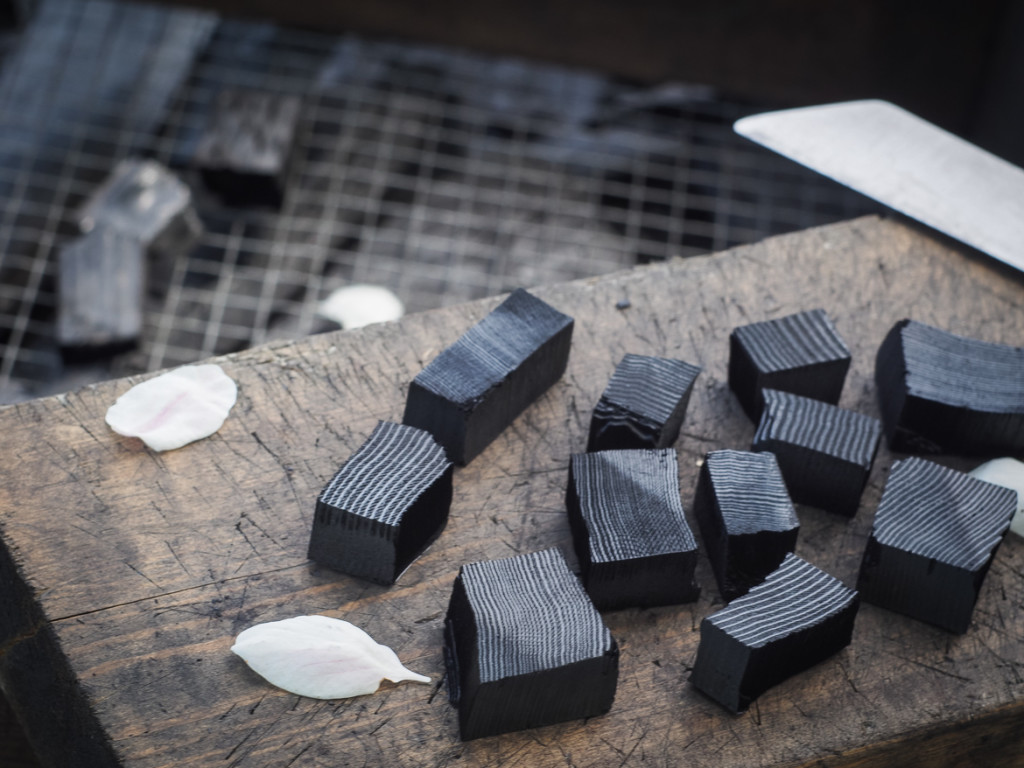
(908, 164)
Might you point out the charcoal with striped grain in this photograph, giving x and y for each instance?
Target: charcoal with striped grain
(643, 405)
(944, 393)
(243, 155)
(825, 452)
(796, 618)
(629, 530)
(746, 518)
(144, 200)
(801, 353)
(384, 506)
(469, 393)
(101, 287)
(934, 536)
(525, 647)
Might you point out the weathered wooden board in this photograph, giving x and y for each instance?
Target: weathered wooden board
(127, 574)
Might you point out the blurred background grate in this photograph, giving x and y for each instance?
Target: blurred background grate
(440, 174)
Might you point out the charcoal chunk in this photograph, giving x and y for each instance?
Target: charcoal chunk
(101, 287)
(643, 405)
(15, 14)
(525, 647)
(476, 387)
(243, 155)
(800, 353)
(144, 200)
(384, 506)
(825, 452)
(797, 617)
(746, 518)
(933, 539)
(943, 393)
(629, 531)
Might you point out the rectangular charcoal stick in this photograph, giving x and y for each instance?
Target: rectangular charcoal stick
(797, 617)
(825, 452)
(801, 353)
(745, 516)
(944, 393)
(933, 539)
(101, 286)
(244, 154)
(524, 647)
(475, 388)
(384, 506)
(143, 199)
(631, 538)
(643, 405)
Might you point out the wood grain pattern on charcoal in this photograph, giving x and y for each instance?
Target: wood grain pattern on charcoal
(127, 573)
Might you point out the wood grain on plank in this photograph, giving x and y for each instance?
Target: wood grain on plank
(144, 566)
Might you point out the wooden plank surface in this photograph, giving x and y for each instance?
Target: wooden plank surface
(127, 573)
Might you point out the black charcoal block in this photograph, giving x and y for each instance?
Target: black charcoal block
(943, 393)
(100, 285)
(384, 506)
(525, 647)
(933, 539)
(825, 452)
(643, 405)
(244, 153)
(476, 387)
(746, 518)
(15, 14)
(800, 353)
(797, 617)
(144, 200)
(629, 530)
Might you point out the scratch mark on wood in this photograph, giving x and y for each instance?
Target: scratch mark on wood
(178, 559)
(437, 689)
(245, 516)
(214, 582)
(636, 744)
(237, 746)
(300, 753)
(140, 573)
(933, 668)
(254, 707)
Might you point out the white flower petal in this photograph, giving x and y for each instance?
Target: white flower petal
(320, 657)
(357, 305)
(1008, 473)
(175, 408)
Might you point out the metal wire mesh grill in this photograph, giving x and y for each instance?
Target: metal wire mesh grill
(440, 174)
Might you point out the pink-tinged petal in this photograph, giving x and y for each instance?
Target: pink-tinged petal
(175, 408)
(320, 657)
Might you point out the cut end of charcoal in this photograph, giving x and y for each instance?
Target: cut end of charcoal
(525, 647)
(746, 518)
(943, 393)
(933, 539)
(798, 617)
(243, 156)
(629, 529)
(475, 388)
(643, 405)
(101, 286)
(801, 353)
(825, 452)
(384, 506)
